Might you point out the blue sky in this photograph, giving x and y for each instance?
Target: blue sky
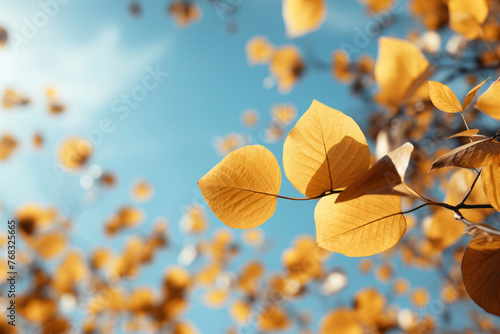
(93, 52)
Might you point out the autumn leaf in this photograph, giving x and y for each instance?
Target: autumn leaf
(341, 321)
(474, 155)
(466, 133)
(401, 70)
(341, 66)
(443, 98)
(326, 150)
(303, 16)
(480, 272)
(50, 245)
(74, 152)
(489, 101)
(467, 16)
(459, 185)
(273, 318)
(242, 189)
(377, 5)
(385, 177)
(287, 66)
(364, 226)
(184, 12)
(240, 311)
(471, 94)
(490, 176)
(259, 50)
(441, 229)
(8, 145)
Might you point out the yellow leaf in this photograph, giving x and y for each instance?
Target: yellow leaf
(74, 152)
(401, 69)
(273, 318)
(491, 184)
(184, 328)
(466, 133)
(474, 155)
(7, 146)
(361, 227)
(299, 257)
(194, 220)
(249, 278)
(326, 150)
(480, 272)
(341, 66)
(242, 189)
(458, 186)
(259, 50)
(303, 16)
(240, 310)
(184, 12)
(341, 321)
(386, 177)
(443, 98)
(369, 303)
(467, 16)
(489, 101)
(50, 245)
(35, 309)
(377, 5)
(286, 66)
(471, 94)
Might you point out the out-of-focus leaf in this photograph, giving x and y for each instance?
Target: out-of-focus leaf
(489, 101)
(341, 321)
(286, 66)
(480, 272)
(184, 12)
(401, 70)
(259, 50)
(74, 152)
(303, 16)
(273, 318)
(7, 146)
(443, 98)
(474, 155)
(50, 245)
(490, 176)
(467, 16)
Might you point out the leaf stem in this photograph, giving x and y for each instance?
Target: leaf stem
(309, 198)
(463, 117)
